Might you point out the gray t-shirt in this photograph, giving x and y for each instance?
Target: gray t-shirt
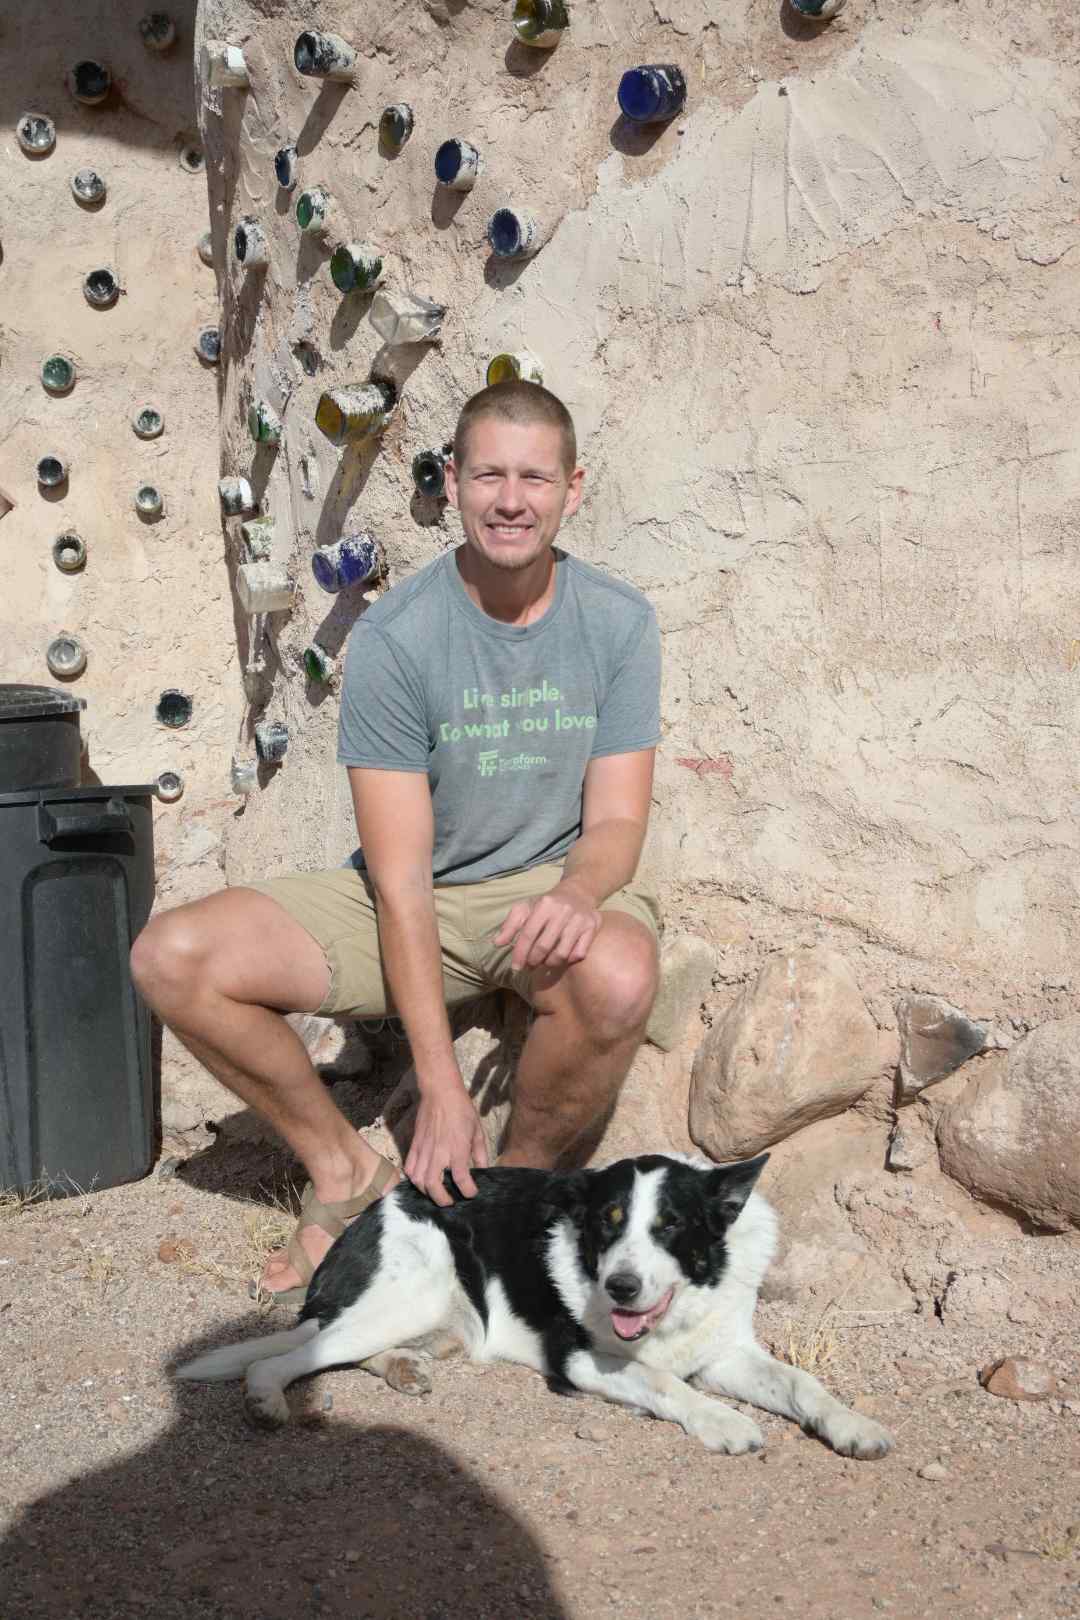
(503, 719)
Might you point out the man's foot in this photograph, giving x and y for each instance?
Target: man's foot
(280, 1274)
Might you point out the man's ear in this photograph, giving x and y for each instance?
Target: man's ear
(728, 1188)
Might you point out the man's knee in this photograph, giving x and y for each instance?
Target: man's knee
(170, 952)
(613, 989)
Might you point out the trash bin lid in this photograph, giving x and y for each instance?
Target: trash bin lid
(37, 702)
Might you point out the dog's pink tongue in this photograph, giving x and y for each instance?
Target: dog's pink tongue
(628, 1324)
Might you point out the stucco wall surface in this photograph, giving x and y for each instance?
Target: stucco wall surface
(152, 605)
(819, 338)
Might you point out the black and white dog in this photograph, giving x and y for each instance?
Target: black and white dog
(637, 1282)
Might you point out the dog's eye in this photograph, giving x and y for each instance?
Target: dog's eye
(614, 1216)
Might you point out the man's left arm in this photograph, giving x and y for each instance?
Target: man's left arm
(558, 928)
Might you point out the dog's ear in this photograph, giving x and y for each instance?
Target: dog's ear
(567, 1193)
(728, 1188)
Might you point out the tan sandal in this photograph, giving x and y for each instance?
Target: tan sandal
(330, 1218)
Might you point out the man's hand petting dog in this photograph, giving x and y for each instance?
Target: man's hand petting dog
(550, 932)
(553, 931)
(448, 1136)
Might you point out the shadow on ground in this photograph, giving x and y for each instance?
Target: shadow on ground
(323, 1519)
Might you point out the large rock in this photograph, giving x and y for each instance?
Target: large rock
(1013, 1135)
(935, 1039)
(686, 970)
(797, 1045)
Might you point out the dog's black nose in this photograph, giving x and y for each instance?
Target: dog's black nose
(623, 1286)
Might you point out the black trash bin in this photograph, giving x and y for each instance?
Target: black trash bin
(76, 886)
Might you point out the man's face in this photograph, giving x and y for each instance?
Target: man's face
(513, 491)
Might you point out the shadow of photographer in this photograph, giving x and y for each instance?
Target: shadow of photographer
(325, 1518)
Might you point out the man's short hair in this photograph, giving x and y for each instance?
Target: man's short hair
(524, 403)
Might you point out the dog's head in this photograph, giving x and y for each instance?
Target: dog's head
(652, 1226)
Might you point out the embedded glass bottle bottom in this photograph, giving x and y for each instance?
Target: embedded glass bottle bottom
(257, 535)
(52, 471)
(264, 587)
(88, 187)
(313, 209)
(224, 66)
(521, 366)
(355, 559)
(285, 167)
(355, 267)
(318, 665)
(250, 246)
(236, 496)
(653, 93)
(396, 125)
(66, 656)
(192, 159)
(357, 412)
(208, 345)
(69, 552)
(35, 133)
(101, 289)
(148, 423)
(58, 374)
(818, 10)
(90, 82)
(244, 776)
(405, 317)
(149, 502)
(457, 165)
(323, 56)
(512, 235)
(264, 423)
(540, 23)
(429, 471)
(271, 741)
(170, 786)
(174, 708)
(158, 31)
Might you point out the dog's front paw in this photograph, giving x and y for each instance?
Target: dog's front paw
(266, 1408)
(853, 1435)
(721, 1429)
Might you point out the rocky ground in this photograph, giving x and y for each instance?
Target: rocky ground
(125, 1493)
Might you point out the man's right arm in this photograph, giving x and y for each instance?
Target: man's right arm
(396, 826)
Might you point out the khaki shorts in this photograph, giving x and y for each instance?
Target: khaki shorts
(337, 908)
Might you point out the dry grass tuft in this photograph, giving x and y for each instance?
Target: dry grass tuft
(264, 1228)
(100, 1269)
(811, 1348)
(1059, 1544)
(46, 1189)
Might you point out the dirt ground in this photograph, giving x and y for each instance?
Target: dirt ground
(125, 1493)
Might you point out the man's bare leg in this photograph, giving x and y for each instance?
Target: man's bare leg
(590, 1021)
(220, 973)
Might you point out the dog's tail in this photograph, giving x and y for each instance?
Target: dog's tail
(234, 1359)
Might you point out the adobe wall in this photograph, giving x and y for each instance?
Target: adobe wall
(152, 604)
(819, 339)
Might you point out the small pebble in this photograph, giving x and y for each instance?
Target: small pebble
(328, 1402)
(934, 1471)
(169, 1167)
(1017, 1378)
(174, 1249)
(589, 1431)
